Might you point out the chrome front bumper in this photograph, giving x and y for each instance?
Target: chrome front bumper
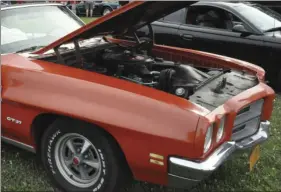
(185, 174)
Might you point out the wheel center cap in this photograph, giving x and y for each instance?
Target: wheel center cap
(76, 161)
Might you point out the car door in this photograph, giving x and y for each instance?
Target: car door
(165, 29)
(196, 37)
(98, 6)
(219, 39)
(81, 9)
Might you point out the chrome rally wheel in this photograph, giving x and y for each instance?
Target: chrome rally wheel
(80, 157)
(106, 11)
(77, 160)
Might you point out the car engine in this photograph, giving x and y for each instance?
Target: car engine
(167, 76)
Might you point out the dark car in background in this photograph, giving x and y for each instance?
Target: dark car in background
(274, 5)
(4, 3)
(100, 8)
(241, 30)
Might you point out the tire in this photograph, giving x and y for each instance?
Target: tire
(106, 11)
(100, 168)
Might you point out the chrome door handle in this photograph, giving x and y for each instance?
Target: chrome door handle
(186, 37)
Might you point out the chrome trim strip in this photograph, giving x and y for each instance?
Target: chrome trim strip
(181, 177)
(210, 164)
(181, 182)
(18, 144)
(197, 171)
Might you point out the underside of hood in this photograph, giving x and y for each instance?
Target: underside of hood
(130, 17)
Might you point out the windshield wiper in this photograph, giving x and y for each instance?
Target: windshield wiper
(33, 48)
(273, 29)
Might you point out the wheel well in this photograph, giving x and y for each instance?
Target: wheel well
(106, 7)
(41, 123)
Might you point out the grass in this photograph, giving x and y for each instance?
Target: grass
(21, 172)
(87, 19)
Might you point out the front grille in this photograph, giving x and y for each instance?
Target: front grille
(247, 120)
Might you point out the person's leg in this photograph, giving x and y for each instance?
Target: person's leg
(91, 8)
(74, 7)
(87, 9)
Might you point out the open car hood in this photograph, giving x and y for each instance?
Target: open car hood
(131, 16)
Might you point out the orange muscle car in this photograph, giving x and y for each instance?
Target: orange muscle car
(100, 110)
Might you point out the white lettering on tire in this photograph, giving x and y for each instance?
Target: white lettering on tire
(103, 171)
(49, 156)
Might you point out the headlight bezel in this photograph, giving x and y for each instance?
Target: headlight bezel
(208, 138)
(221, 129)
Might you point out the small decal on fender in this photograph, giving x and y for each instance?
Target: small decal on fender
(156, 159)
(14, 120)
(156, 156)
(157, 162)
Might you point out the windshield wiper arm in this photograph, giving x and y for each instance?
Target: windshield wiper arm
(273, 29)
(33, 48)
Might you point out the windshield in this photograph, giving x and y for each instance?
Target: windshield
(35, 26)
(260, 16)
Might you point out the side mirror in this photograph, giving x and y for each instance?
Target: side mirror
(239, 28)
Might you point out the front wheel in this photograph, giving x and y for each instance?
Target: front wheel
(80, 157)
(106, 11)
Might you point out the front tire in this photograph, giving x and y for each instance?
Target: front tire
(80, 157)
(106, 11)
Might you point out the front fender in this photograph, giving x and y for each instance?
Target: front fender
(142, 120)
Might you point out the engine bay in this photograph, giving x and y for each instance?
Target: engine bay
(149, 71)
(206, 87)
